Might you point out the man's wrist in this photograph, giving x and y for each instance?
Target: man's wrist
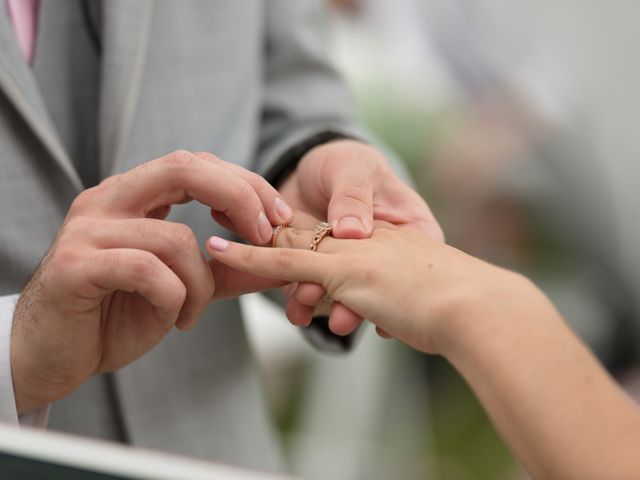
(23, 391)
(33, 388)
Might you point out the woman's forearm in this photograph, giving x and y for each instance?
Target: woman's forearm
(555, 406)
(559, 411)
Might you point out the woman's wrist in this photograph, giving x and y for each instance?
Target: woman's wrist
(481, 309)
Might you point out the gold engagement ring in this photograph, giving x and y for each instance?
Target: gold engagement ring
(276, 231)
(320, 231)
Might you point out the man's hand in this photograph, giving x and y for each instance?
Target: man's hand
(118, 276)
(349, 184)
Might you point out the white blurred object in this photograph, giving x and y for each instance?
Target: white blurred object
(363, 413)
(386, 47)
(271, 335)
(27, 453)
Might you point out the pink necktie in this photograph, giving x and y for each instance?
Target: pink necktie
(24, 15)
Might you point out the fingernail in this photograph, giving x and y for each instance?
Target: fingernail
(352, 223)
(218, 244)
(284, 210)
(264, 228)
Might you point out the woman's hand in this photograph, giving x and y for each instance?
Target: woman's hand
(556, 408)
(407, 284)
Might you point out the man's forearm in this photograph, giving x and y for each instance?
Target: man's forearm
(559, 411)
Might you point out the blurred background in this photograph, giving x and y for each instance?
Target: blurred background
(517, 120)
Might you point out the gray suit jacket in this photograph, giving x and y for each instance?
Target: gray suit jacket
(248, 80)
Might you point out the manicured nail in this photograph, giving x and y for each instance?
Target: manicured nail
(284, 210)
(218, 244)
(264, 228)
(351, 223)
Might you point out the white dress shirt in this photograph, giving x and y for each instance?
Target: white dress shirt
(8, 411)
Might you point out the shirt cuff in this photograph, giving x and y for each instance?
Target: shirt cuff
(8, 411)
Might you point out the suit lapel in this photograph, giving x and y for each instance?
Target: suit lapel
(125, 36)
(18, 83)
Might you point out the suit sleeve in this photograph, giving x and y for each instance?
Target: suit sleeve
(305, 101)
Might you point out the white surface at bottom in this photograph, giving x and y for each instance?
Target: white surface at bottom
(102, 457)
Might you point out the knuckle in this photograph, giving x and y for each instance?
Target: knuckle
(208, 156)
(244, 192)
(179, 297)
(84, 201)
(256, 180)
(88, 198)
(60, 268)
(179, 160)
(64, 256)
(108, 183)
(75, 227)
(292, 238)
(372, 276)
(143, 265)
(183, 237)
(246, 256)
